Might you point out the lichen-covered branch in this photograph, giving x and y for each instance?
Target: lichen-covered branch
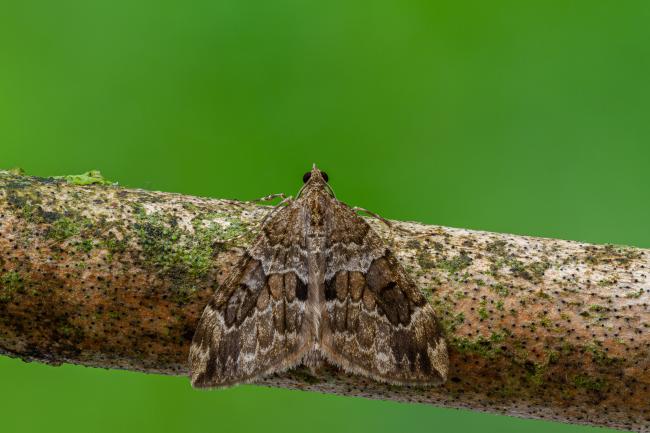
(95, 274)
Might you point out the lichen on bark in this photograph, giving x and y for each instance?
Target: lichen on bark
(95, 274)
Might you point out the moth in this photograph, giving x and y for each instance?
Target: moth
(318, 285)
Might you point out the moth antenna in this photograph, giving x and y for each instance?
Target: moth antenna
(331, 190)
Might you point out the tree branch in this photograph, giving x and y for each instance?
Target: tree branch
(538, 328)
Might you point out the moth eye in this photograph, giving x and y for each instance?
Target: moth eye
(306, 177)
(325, 176)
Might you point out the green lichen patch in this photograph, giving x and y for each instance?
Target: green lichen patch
(535, 374)
(607, 282)
(85, 246)
(621, 256)
(553, 357)
(530, 272)
(169, 248)
(63, 228)
(11, 282)
(113, 245)
(499, 336)
(589, 383)
(67, 332)
(183, 294)
(438, 246)
(425, 261)
(452, 322)
(498, 248)
(482, 311)
(599, 356)
(459, 294)
(598, 308)
(92, 177)
(455, 264)
(413, 244)
(500, 289)
(518, 269)
(500, 258)
(27, 203)
(489, 347)
(545, 321)
(444, 308)
(535, 271)
(634, 295)
(221, 226)
(177, 252)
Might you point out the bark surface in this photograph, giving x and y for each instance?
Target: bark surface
(99, 275)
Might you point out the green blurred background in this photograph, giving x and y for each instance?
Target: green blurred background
(509, 116)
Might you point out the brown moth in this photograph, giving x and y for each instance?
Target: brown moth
(318, 284)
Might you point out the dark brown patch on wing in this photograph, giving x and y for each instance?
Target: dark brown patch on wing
(286, 228)
(394, 300)
(381, 326)
(251, 326)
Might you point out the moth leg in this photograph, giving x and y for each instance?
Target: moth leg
(284, 201)
(270, 197)
(382, 219)
(372, 214)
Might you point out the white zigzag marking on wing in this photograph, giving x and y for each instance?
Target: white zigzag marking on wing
(374, 313)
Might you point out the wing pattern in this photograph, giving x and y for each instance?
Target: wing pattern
(318, 283)
(252, 326)
(376, 321)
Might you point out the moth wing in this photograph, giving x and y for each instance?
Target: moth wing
(253, 324)
(376, 322)
(250, 328)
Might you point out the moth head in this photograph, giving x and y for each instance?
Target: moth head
(315, 173)
(315, 179)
